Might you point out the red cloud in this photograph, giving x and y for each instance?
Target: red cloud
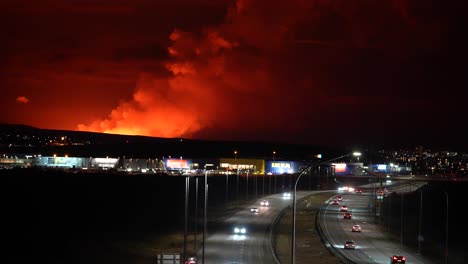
(273, 66)
(22, 99)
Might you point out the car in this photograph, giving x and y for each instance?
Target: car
(344, 208)
(240, 233)
(287, 195)
(358, 191)
(191, 260)
(240, 230)
(349, 245)
(339, 198)
(254, 210)
(335, 202)
(397, 259)
(356, 228)
(347, 216)
(264, 203)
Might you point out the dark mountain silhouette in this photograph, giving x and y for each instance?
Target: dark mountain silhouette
(26, 139)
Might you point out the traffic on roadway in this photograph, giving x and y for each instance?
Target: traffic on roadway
(345, 222)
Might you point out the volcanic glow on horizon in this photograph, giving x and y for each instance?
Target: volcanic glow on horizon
(289, 70)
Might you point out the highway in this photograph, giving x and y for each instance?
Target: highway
(371, 244)
(255, 247)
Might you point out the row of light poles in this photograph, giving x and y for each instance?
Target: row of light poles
(307, 170)
(187, 194)
(293, 233)
(187, 191)
(446, 251)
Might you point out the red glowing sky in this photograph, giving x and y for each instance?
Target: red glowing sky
(300, 71)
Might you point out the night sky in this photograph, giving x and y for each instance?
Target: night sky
(300, 71)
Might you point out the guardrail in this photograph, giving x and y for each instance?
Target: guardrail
(337, 253)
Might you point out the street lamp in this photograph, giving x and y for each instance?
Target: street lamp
(446, 227)
(293, 231)
(196, 213)
(237, 172)
(227, 187)
(247, 187)
(187, 190)
(204, 215)
(401, 223)
(420, 220)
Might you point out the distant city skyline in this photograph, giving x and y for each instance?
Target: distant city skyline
(302, 72)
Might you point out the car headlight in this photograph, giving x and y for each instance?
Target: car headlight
(240, 230)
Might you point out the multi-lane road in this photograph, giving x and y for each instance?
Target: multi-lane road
(372, 245)
(255, 246)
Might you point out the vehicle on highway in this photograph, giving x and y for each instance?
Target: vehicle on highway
(347, 216)
(287, 195)
(240, 230)
(349, 245)
(356, 228)
(264, 203)
(339, 198)
(335, 202)
(254, 210)
(344, 208)
(240, 233)
(397, 259)
(358, 191)
(191, 260)
(383, 191)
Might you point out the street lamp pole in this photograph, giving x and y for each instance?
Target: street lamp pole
(446, 227)
(293, 229)
(204, 215)
(227, 187)
(420, 220)
(401, 224)
(247, 187)
(273, 174)
(263, 184)
(187, 184)
(196, 213)
(256, 181)
(237, 172)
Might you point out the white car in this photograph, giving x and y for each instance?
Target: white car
(344, 208)
(254, 210)
(287, 195)
(191, 260)
(356, 228)
(264, 203)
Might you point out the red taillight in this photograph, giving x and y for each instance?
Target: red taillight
(403, 258)
(394, 258)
